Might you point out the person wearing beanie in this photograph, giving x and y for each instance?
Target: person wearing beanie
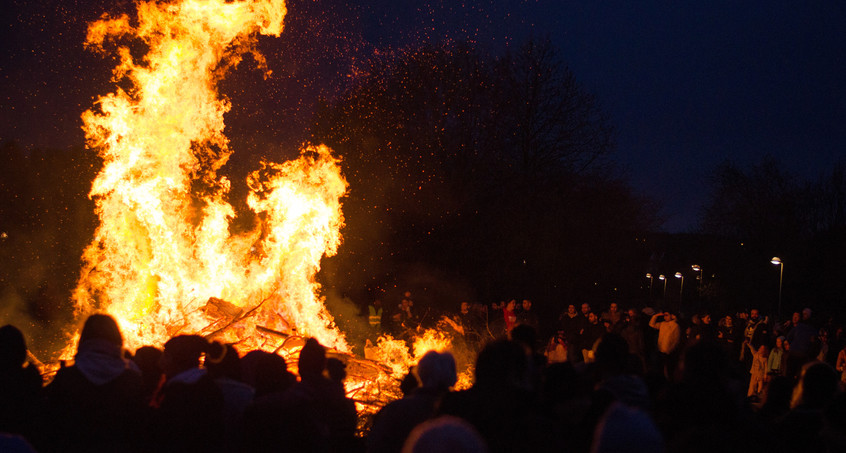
(393, 424)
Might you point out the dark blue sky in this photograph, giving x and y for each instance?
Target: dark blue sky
(686, 84)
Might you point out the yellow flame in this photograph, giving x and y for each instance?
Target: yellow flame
(165, 259)
(164, 249)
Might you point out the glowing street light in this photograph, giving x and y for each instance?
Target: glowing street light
(698, 268)
(778, 262)
(649, 276)
(662, 277)
(681, 290)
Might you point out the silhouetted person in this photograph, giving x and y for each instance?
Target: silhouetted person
(189, 414)
(800, 429)
(500, 403)
(445, 435)
(409, 383)
(266, 372)
(314, 415)
(20, 385)
(96, 404)
(148, 359)
(624, 429)
(776, 399)
(277, 420)
(336, 411)
(705, 411)
(224, 366)
(394, 422)
(565, 399)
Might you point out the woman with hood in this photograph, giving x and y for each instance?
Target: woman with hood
(96, 404)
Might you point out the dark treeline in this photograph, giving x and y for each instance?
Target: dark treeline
(495, 170)
(753, 215)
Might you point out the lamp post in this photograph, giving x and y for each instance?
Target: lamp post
(664, 294)
(681, 289)
(698, 268)
(778, 262)
(649, 276)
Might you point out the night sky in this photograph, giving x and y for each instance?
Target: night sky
(685, 86)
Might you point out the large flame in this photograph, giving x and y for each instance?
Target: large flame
(164, 259)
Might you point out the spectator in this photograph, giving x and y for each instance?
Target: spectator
(445, 435)
(395, 421)
(758, 369)
(613, 317)
(669, 336)
(148, 360)
(20, 385)
(224, 367)
(336, 413)
(800, 429)
(775, 358)
(509, 316)
(96, 404)
(500, 403)
(526, 315)
(189, 405)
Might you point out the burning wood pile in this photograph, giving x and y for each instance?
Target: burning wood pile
(165, 258)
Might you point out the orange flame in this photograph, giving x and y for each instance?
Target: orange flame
(164, 249)
(164, 259)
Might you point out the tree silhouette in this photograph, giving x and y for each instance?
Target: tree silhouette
(491, 169)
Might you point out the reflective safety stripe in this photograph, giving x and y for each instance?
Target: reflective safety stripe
(375, 318)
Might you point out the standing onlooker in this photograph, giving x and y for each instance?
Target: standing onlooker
(20, 385)
(775, 358)
(756, 330)
(801, 338)
(568, 321)
(669, 336)
(728, 336)
(526, 315)
(632, 332)
(758, 368)
(613, 317)
(189, 405)
(841, 365)
(96, 404)
(508, 316)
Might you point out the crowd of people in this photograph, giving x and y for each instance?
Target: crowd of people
(634, 380)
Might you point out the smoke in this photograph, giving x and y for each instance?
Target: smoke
(349, 319)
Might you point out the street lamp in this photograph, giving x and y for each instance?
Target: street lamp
(681, 290)
(649, 276)
(698, 268)
(664, 294)
(778, 262)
